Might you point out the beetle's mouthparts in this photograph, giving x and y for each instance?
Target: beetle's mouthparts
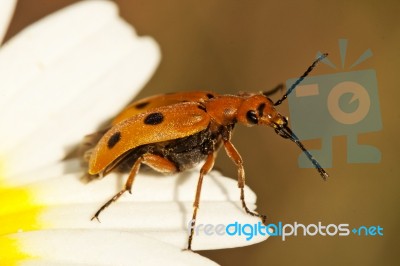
(285, 132)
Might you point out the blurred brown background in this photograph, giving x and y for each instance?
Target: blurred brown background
(229, 46)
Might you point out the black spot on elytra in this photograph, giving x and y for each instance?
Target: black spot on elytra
(210, 96)
(154, 118)
(201, 107)
(114, 139)
(141, 105)
(260, 109)
(252, 117)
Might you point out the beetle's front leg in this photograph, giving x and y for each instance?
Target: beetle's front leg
(237, 159)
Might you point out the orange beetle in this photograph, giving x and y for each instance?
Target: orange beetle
(174, 132)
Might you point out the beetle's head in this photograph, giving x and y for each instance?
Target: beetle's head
(259, 110)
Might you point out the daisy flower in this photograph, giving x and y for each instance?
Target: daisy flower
(60, 78)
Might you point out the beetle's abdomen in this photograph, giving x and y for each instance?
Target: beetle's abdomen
(185, 152)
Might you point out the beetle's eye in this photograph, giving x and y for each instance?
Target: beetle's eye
(252, 117)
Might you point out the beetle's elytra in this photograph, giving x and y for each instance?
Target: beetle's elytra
(174, 132)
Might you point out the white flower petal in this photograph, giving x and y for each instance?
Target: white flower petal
(6, 11)
(147, 187)
(160, 207)
(83, 57)
(164, 221)
(110, 248)
(52, 170)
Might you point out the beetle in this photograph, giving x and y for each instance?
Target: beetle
(174, 132)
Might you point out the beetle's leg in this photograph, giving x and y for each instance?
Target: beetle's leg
(128, 187)
(158, 163)
(207, 166)
(279, 87)
(237, 159)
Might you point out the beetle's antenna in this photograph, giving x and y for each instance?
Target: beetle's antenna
(286, 132)
(300, 79)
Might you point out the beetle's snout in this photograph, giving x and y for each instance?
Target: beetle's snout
(274, 120)
(278, 121)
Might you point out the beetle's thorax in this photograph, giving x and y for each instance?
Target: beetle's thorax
(248, 109)
(223, 109)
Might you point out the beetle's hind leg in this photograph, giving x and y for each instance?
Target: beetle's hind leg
(207, 166)
(128, 187)
(237, 159)
(156, 162)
